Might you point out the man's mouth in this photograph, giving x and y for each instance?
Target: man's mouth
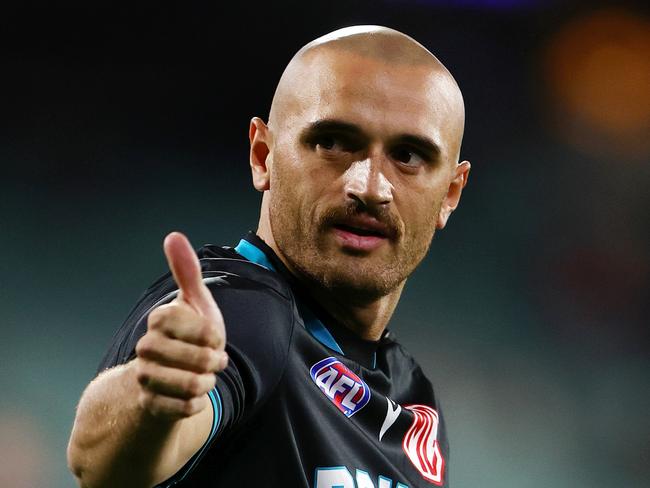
(360, 230)
(361, 233)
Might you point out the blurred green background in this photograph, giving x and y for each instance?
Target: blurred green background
(531, 313)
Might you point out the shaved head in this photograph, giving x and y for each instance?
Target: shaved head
(379, 42)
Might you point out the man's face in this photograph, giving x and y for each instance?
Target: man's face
(360, 165)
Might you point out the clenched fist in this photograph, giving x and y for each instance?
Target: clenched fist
(184, 344)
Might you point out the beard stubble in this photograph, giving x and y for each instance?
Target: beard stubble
(307, 246)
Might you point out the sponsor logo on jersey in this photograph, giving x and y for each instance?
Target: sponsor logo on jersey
(392, 413)
(344, 388)
(421, 444)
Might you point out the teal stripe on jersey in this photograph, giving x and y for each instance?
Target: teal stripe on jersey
(253, 254)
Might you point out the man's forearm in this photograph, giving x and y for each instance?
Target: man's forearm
(116, 442)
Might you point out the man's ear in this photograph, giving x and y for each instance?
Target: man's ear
(258, 135)
(452, 198)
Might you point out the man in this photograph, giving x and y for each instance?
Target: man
(358, 165)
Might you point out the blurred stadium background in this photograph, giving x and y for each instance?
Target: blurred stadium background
(531, 314)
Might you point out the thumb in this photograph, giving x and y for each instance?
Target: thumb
(186, 269)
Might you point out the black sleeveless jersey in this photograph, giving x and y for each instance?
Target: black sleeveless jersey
(303, 401)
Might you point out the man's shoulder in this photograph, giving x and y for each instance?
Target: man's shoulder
(222, 267)
(253, 300)
(243, 290)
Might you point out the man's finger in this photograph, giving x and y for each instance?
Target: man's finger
(173, 382)
(185, 266)
(177, 408)
(176, 353)
(180, 320)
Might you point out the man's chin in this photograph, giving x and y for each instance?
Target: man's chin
(357, 282)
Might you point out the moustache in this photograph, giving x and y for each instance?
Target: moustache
(378, 219)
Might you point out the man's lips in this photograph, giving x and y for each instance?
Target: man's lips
(361, 233)
(365, 226)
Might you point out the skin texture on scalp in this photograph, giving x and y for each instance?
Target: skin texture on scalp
(386, 85)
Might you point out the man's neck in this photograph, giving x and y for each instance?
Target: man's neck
(367, 319)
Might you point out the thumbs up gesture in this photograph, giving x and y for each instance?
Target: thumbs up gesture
(184, 344)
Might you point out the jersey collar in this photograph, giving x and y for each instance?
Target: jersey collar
(254, 254)
(313, 325)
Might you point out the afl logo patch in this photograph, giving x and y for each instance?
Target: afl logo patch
(344, 388)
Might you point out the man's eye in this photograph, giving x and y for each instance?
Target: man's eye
(407, 156)
(326, 142)
(335, 143)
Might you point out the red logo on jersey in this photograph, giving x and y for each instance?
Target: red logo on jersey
(421, 444)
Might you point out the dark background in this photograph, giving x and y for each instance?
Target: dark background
(120, 123)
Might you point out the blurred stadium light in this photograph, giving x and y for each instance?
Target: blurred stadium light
(598, 72)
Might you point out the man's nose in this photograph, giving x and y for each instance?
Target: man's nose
(366, 183)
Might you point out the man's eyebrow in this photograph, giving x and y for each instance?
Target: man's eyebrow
(423, 143)
(332, 125)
